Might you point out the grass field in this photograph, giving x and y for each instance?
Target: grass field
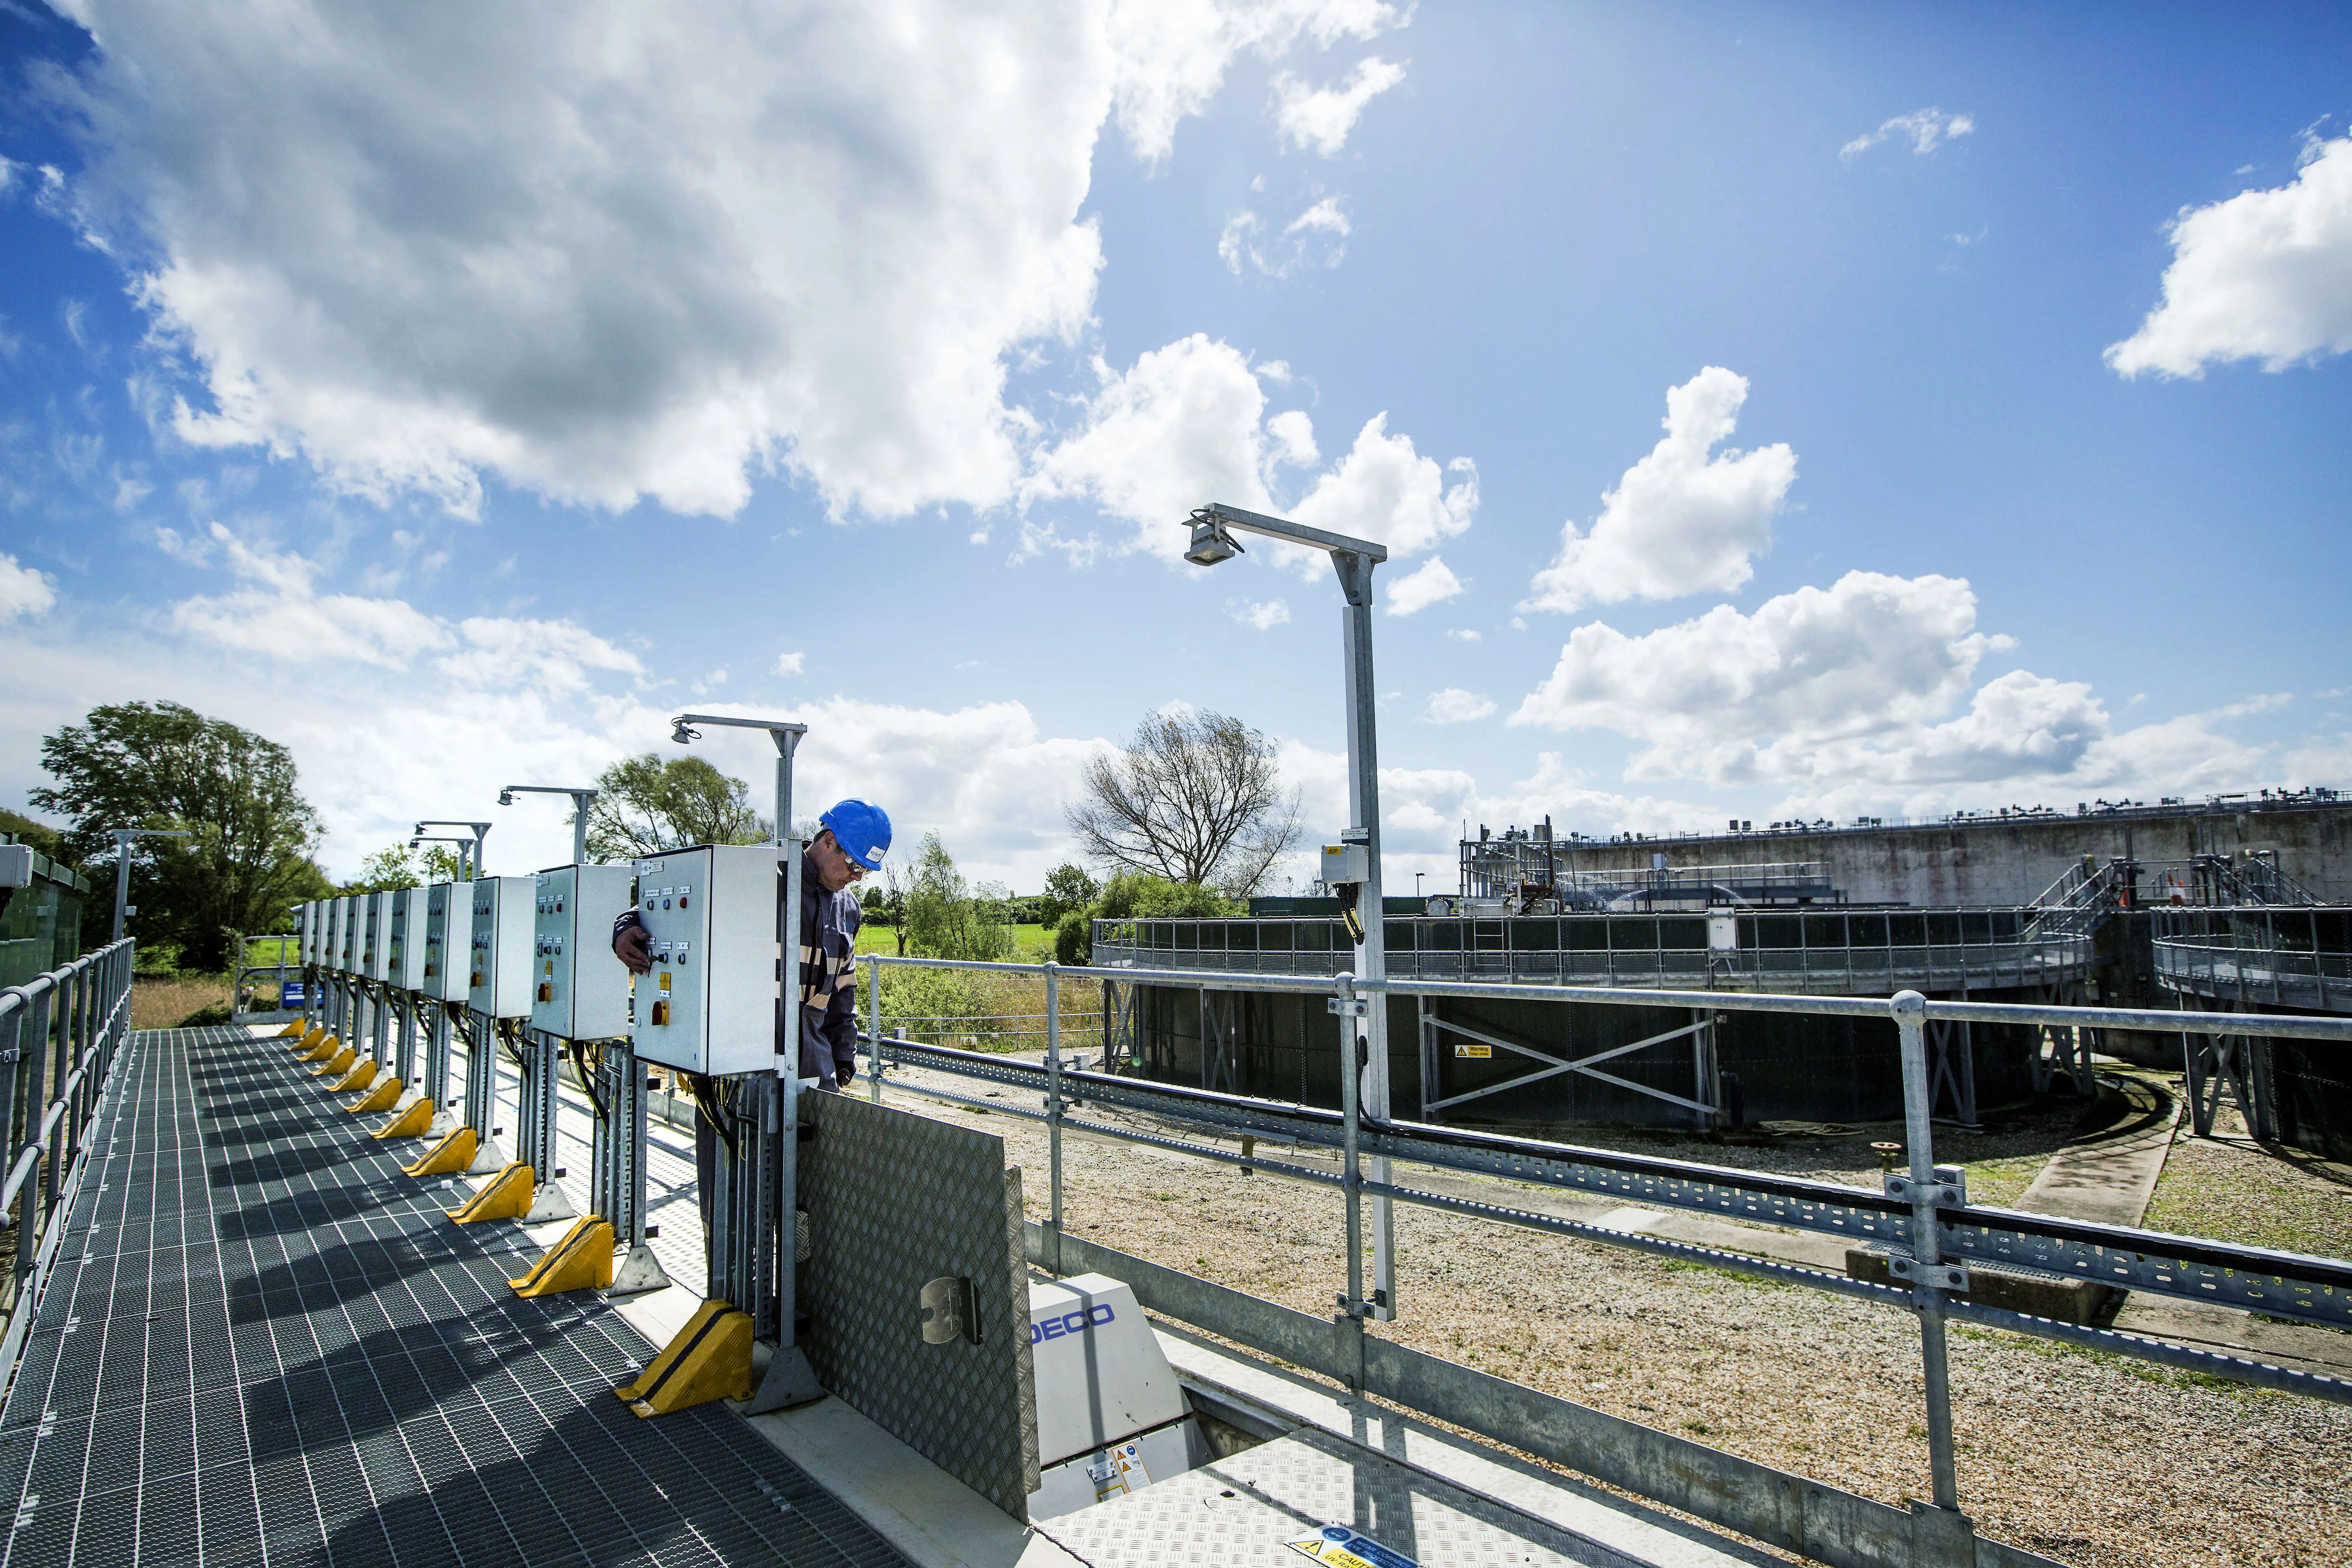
(1031, 945)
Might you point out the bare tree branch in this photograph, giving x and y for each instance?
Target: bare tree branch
(1194, 797)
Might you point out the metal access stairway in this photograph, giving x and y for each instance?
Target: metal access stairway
(261, 1344)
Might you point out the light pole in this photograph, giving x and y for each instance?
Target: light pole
(581, 801)
(786, 736)
(122, 838)
(464, 846)
(481, 831)
(1353, 559)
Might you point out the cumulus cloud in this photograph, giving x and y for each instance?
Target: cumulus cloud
(2265, 275)
(789, 663)
(23, 590)
(1862, 696)
(1456, 706)
(1263, 617)
(622, 250)
(1318, 118)
(1170, 55)
(1432, 585)
(1683, 519)
(1925, 129)
(1187, 424)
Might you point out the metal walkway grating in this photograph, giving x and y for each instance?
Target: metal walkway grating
(264, 1344)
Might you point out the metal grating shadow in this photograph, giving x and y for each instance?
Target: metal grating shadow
(263, 1345)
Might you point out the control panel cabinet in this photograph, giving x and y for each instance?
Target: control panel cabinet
(447, 930)
(578, 990)
(499, 976)
(375, 934)
(403, 951)
(333, 958)
(347, 940)
(709, 1005)
(306, 922)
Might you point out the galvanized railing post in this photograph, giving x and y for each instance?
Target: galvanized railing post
(1349, 1008)
(874, 1027)
(37, 1106)
(1054, 1103)
(1943, 1535)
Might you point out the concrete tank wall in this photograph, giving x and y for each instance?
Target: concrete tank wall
(1791, 1067)
(2009, 860)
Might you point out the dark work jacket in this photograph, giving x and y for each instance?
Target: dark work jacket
(828, 981)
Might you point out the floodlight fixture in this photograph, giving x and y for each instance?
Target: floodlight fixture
(1211, 543)
(680, 735)
(481, 832)
(506, 797)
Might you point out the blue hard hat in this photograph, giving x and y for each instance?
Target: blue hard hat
(863, 831)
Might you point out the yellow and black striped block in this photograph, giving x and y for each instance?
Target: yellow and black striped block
(709, 1359)
(582, 1261)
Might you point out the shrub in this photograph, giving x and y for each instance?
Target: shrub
(1074, 938)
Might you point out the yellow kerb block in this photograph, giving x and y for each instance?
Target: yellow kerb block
(508, 1196)
(383, 1097)
(291, 1031)
(359, 1077)
(711, 1359)
(582, 1261)
(449, 1157)
(309, 1038)
(410, 1123)
(338, 1063)
(326, 1045)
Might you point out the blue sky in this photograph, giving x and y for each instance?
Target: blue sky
(1824, 411)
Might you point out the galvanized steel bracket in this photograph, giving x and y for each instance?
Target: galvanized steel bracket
(1349, 1007)
(1950, 1276)
(1949, 1190)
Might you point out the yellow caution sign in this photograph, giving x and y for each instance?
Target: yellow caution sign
(383, 1097)
(410, 1123)
(508, 1196)
(449, 1157)
(582, 1261)
(361, 1075)
(709, 1359)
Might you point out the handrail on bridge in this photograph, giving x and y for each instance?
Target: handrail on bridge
(1934, 1233)
(60, 1036)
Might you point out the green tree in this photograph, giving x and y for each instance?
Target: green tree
(1139, 895)
(647, 806)
(392, 866)
(1067, 887)
(39, 835)
(945, 918)
(159, 765)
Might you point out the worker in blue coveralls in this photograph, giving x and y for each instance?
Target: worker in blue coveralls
(851, 841)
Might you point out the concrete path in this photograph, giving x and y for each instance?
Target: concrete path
(2108, 1176)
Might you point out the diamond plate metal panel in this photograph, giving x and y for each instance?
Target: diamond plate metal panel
(896, 1200)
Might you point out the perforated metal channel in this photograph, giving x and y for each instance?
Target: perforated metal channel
(264, 1344)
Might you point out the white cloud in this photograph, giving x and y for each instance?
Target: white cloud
(1842, 697)
(1318, 118)
(1187, 426)
(1867, 653)
(1432, 585)
(1925, 129)
(2265, 275)
(1263, 617)
(1463, 634)
(617, 250)
(789, 663)
(1172, 55)
(1385, 490)
(1315, 238)
(23, 590)
(1680, 521)
(1456, 706)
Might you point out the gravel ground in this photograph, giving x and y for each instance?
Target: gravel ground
(2089, 1459)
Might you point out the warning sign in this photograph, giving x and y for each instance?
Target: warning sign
(1467, 1051)
(1344, 1548)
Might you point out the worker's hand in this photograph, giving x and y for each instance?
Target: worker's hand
(633, 947)
(843, 1077)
